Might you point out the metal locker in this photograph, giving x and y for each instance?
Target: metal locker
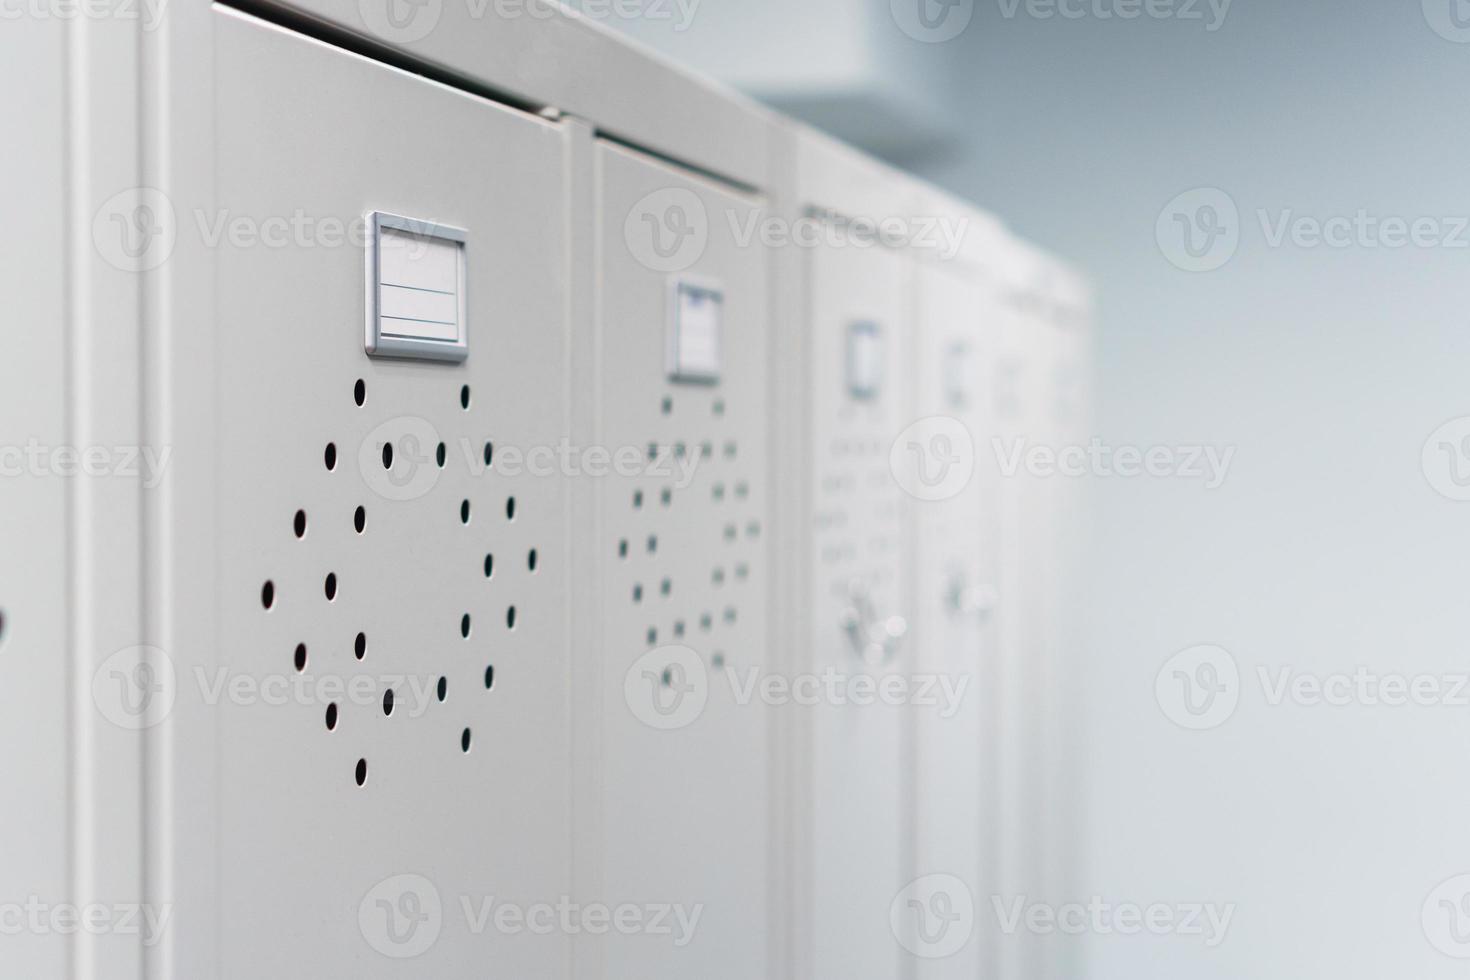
(956, 576)
(682, 319)
(385, 550)
(861, 324)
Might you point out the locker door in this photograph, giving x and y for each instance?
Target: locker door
(955, 567)
(860, 389)
(387, 557)
(681, 551)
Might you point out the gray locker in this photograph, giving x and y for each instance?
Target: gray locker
(955, 565)
(681, 547)
(861, 332)
(373, 542)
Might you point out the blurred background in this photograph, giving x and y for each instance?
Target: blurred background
(1314, 324)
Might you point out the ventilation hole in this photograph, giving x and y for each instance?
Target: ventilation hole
(679, 628)
(652, 452)
(742, 490)
(652, 636)
(706, 621)
(510, 508)
(330, 586)
(667, 677)
(359, 392)
(464, 397)
(359, 646)
(2, 625)
(489, 452)
(330, 456)
(706, 450)
(730, 450)
(268, 594)
(666, 586)
(637, 499)
(387, 455)
(623, 548)
(719, 406)
(731, 532)
(464, 626)
(719, 491)
(300, 658)
(359, 519)
(464, 511)
(668, 406)
(443, 690)
(361, 771)
(510, 618)
(666, 497)
(680, 450)
(753, 529)
(531, 560)
(730, 615)
(489, 566)
(464, 741)
(742, 572)
(718, 660)
(652, 543)
(441, 455)
(332, 717)
(388, 701)
(300, 524)
(490, 677)
(637, 593)
(718, 576)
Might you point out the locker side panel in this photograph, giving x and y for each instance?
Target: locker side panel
(681, 548)
(860, 533)
(387, 681)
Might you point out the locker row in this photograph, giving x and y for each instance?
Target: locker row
(578, 541)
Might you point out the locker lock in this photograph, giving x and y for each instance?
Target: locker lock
(968, 600)
(875, 641)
